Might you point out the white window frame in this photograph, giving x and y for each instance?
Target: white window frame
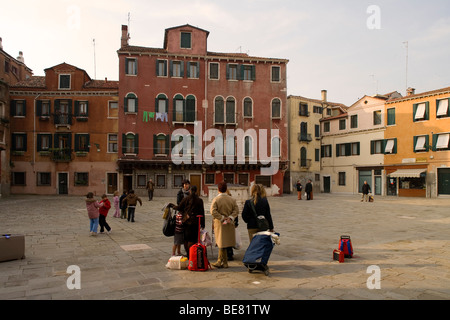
(59, 81)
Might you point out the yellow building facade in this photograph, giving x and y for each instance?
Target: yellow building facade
(416, 144)
(305, 137)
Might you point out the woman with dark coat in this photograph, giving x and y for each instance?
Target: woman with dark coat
(258, 196)
(191, 207)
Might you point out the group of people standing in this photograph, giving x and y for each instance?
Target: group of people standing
(224, 210)
(98, 210)
(308, 190)
(190, 215)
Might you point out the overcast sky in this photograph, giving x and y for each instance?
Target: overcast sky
(350, 47)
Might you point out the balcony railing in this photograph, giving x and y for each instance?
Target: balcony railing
(305, 163)
(304, 137)
(62, 119)
(61, 154)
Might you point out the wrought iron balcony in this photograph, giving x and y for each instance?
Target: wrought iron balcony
(61, 154)
(305, 163)
(304, 137)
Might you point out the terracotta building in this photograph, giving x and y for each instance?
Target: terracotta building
(179, 103)
(12, 70)
(64, 136)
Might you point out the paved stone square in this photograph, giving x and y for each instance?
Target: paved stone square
(407, 238)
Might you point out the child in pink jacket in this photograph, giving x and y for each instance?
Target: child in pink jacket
(92, 206)
(116, 204)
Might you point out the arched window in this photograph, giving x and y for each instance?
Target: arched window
(248, 108)
(276, 108)
(130, 143)
(276, 147)
(219, 110)
(303, 162)
(231, 110)
(161, 103)
(131, 103)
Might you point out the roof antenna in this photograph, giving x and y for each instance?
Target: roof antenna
(95, 67)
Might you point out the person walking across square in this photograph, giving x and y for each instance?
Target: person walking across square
(104, 209)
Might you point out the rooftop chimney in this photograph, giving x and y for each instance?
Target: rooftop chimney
(410, 91)
(324, 95)
(125, 36)
(1, 44)
(20, 57)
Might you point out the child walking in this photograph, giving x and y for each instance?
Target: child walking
(116, 204)
(123, 205)
(106, 205)
(92, 206)
(178, 239)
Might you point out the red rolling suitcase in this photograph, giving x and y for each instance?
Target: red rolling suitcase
(198, 259)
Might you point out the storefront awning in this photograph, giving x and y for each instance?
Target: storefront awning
(407, 173)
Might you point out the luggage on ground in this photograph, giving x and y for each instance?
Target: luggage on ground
(198, 259)
(259, 251)
(177, 263)
(12, 247)
(345, 245)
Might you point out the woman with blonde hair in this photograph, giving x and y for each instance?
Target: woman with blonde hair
(257, 205)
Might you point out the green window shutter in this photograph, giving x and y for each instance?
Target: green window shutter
(77, 108)
(136, 105)
(322, 151)
(125, 104)
(253, 73)
(77, 142)
(155, 145)
(435, 137)
(188, 69)
(414, 143)
(198, 70)
(171, 68)
(358, 148)
(12, 110)
(38, 108)
(427, 143)
(228, 71)
(70, 111)
(240, 72)
(13, 142)
(124, 143)
(136, 143)
(25, 142)
(337, 150)
(182, 69)
(427, 110)
(394, 150)
(414, 112)
(190, 109)
(348, 149)
(157, 67)
(39, 142)
(126, 66)
(372, 147)
(166, 149)
(24, 108)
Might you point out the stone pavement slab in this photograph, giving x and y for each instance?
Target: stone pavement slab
(407, 238)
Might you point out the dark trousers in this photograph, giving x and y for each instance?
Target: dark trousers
(150, 195)
(131, 213)
(103, 223)
(308, 196)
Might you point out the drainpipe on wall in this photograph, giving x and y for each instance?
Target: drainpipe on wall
(34, 132)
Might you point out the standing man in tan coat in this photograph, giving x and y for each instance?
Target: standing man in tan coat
(224, 210)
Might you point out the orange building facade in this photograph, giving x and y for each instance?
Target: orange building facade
(416, 144)
(64, 133)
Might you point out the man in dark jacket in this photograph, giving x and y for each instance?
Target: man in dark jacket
(365, 192)
(308, 189)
